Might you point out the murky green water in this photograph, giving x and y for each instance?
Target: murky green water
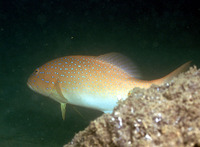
(158, 38)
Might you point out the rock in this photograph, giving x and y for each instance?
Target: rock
(166, 115)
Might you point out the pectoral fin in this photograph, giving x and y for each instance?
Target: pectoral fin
(63, 110)
(63, 101)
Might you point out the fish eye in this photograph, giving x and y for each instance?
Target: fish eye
(36, 71)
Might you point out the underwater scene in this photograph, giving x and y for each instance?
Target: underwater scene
(154, 37)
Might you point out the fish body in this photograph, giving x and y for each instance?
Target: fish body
(97, 82)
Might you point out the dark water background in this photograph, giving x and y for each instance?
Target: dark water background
(157, 35)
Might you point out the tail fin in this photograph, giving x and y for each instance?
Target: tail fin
(174, 73)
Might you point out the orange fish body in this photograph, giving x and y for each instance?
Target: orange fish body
(97, 82)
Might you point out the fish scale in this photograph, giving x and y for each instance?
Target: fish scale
(97, 82)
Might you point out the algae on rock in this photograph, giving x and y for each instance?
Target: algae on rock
(166, 115)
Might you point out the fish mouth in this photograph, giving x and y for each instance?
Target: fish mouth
(29, 85)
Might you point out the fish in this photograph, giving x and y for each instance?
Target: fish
(96, 82)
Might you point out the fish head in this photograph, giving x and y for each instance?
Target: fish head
(41, 81)
(44, 80)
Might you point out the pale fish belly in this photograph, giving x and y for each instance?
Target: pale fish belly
(100, 102)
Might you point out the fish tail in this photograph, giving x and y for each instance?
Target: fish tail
(173, 74)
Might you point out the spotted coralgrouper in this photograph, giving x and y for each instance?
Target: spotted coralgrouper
(97, 82)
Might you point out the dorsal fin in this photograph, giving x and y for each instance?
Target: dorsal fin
(120, 61)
